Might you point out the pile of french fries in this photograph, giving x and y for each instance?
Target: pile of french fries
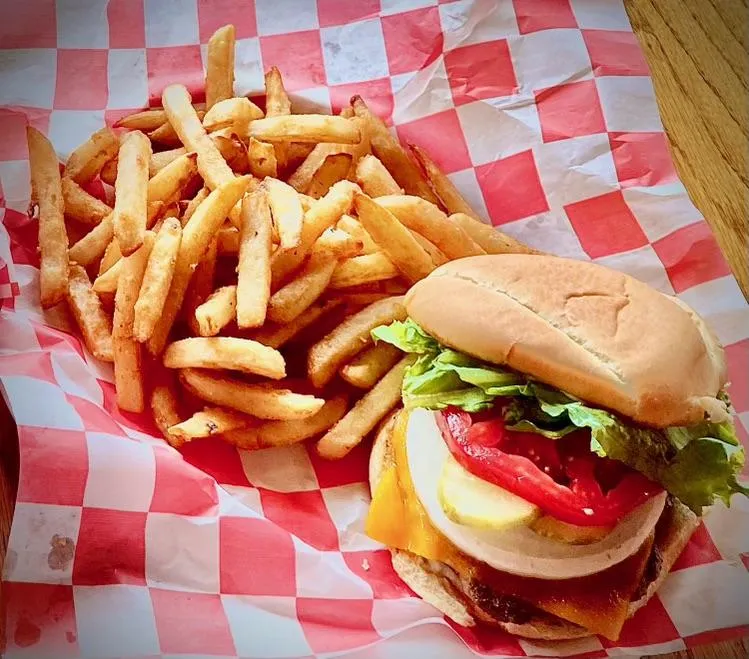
(240, 257)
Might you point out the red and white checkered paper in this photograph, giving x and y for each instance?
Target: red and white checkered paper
(541, 111)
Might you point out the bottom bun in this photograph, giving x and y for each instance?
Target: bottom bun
(462, 602)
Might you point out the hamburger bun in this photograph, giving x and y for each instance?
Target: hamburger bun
(427, 578)
(595, 333)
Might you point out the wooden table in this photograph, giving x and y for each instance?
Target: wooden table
(696, 50)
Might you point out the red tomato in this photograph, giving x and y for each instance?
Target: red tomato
(560, 476)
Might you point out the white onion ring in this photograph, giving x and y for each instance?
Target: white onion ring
(520, 550)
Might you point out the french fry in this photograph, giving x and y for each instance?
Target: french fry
(338, 243)
(166, 184)
(362, 270)
(128, 374)
(219, 75)
(333, 169)
(166, 412)
(88, 159)
(253, 185)
(307, 201)
(227, 352)
(428, 220)
(264, 401)
(374, 178)
(46, 193)
(349, 338)
(84, 304)
(441, 185)
(233, 151)
(370, 365)
(394, 238)
(254, 265)
(286, 210)
(226, 132)
(365, 415)
(161, 159)
(228, 240)
(219, 309)
(81, 206)
(361, 149)
(209, 216)
(193, 204)
(200, 286)
(275, 336)
(372, 287)
(301, 178)
(305, 128)
(353, 227)
(277, 104)
(438, 258)
(323, 214)
(112, 254)
(392, 154)
(157, 279)
(296, 153)
(286, 433)
(288, 302)
(207, 423)
(347, 111)
(276, 99)
(156, 163)
(108, 280)
(307, 171)
(108, 173)
(394, 286)
(165, 135)
(235, 113)
(490, 239)
(262, 159)
(131, 192)
(377, 285)
(243, 438)
(358, 299)
(196, 237)
(211, 165)
(145, 120)
(93, 244)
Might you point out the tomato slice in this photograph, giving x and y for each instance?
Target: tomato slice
(562, 477)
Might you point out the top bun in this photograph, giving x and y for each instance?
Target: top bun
(595, 333)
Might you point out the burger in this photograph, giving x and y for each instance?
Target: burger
(564, 426)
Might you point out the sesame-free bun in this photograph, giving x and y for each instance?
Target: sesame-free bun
(596, 333)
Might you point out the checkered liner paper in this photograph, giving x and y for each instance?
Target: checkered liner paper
(543, 114)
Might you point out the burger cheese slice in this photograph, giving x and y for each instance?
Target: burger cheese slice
(563, 428)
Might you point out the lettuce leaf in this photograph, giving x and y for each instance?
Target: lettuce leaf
(705, 469)
(406, 336)
(697, 464)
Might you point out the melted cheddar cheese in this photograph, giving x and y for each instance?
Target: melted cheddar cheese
(598, 602)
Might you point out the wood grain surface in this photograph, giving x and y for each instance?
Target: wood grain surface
(697, 52)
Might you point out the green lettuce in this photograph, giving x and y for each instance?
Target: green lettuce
(697, 464)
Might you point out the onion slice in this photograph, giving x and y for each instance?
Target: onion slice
(520, 550)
